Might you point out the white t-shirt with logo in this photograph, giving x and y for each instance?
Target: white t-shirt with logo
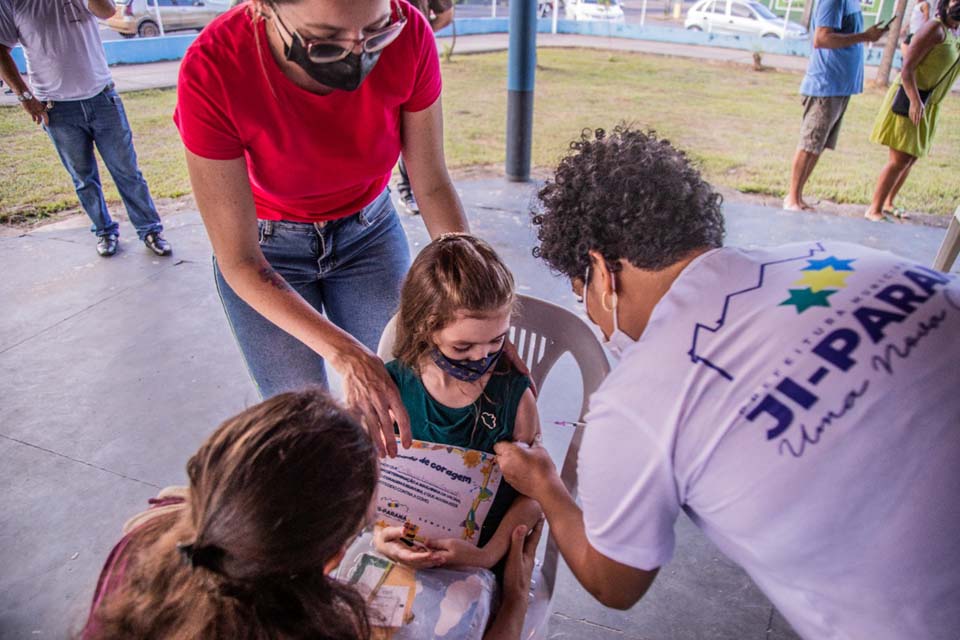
(802, 405)
(61, 43)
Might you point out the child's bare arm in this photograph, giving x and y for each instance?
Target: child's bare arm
(526, 427)
(456, 552)
(523, 511)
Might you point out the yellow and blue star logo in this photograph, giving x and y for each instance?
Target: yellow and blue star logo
(822, 278)
(837, 265)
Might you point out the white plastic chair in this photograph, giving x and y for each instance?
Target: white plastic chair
(542, 332)
(950, 246)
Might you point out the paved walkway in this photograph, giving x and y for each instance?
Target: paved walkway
(160, 75)
(114, 371)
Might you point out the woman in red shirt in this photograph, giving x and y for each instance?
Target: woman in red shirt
(293, 114)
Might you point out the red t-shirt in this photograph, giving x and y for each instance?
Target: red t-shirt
(309, 157)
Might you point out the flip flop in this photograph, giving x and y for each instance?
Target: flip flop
(883, 218)
(898, 213)
(799, 207)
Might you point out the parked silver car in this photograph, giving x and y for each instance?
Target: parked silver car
(139, 17)
(740, 18)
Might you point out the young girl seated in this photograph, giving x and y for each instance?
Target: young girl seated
(276, 496)
(457, 385)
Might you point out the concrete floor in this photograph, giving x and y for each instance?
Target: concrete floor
(114, 371)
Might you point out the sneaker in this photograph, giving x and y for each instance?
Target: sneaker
(107, 245)
(157, 244)
(409, 202)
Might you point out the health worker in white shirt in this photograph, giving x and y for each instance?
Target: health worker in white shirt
(800, 403)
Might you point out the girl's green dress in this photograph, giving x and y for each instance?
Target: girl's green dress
(898, 132)
(477, 426)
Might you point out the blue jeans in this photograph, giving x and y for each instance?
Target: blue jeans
(75, 127)
(350, 269)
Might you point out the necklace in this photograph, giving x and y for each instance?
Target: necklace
(487, 418)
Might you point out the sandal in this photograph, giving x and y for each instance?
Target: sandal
(898, 213)
(883, 218)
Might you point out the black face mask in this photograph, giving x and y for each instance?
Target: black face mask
(345, 75)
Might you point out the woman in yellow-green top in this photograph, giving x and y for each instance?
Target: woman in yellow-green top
(931, 59)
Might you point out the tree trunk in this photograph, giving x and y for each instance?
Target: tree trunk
(890, 48)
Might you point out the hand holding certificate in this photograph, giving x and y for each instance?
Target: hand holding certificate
(431, 497)
(437, 491)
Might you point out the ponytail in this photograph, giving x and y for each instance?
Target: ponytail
(275, 493)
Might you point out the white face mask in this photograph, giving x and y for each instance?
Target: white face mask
(618, 341)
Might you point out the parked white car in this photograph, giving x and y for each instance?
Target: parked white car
(740, 18)
(606, 10)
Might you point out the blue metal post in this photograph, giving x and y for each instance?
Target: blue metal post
(521, 65)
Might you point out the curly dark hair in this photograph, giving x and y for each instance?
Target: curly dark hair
(628, 195)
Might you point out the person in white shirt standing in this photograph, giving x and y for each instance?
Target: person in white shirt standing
(799, 403)
(73, 98)
(919, 15)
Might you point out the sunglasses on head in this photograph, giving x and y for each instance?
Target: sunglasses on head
(323, 50)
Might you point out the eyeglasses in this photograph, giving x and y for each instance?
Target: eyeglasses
(330, 50)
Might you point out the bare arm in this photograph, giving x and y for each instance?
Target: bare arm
(422, 133)
(526, 427)
(827, 38)
(523, 512)
(929, 36)
(223, 195)
(533, 474)
(11, 75)
(9, 72)
(508, 624)
(103, 9)
(442, 19)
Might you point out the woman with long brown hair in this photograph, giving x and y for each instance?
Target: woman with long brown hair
(276, 495)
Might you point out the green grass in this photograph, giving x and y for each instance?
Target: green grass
(742, 126)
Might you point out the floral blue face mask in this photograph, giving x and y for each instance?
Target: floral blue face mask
(465, 370)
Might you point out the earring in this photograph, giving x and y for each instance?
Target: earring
(603, 302)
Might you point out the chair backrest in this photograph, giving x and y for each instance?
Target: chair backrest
(542, 332)
(950, 247)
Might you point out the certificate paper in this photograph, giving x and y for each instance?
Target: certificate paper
(445, 491)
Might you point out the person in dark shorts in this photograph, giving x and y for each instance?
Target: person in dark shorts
(834, 74)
